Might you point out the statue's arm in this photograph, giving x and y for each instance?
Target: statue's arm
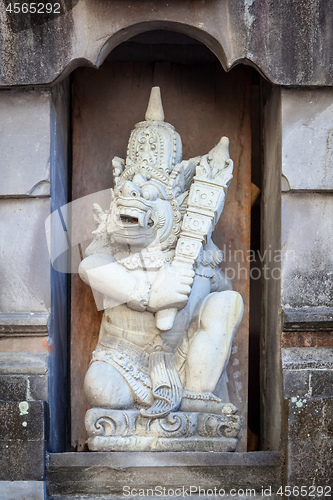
(102, 273)
(171, 288)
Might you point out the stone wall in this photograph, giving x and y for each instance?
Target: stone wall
(307, 282)
(33, 143)
(289, 41)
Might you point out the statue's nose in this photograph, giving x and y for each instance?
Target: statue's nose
(129, 190)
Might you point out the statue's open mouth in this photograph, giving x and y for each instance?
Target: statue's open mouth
(127, 219)
(133, 217)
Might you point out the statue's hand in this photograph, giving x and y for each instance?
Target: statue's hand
(171, 288)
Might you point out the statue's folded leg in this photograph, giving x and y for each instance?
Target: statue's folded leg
(105, 387)
(210, 346)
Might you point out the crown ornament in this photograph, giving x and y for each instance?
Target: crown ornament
(154, 146)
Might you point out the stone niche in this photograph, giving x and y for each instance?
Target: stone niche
(202, 103)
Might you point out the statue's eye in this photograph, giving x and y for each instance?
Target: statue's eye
(134, 194)
(149, 193)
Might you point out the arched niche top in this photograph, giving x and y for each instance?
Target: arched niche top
(177, 27)
(42, 50)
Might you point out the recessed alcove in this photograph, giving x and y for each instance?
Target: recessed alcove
(203, 102)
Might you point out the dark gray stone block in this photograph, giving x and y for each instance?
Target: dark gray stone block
(310, 442)
(322, 383)
(23, 421)
(38, 387)
(296, 382)
(22, 461)
(315, 358)
(13, 388)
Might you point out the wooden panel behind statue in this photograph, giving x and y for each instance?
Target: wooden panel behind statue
(170, 314)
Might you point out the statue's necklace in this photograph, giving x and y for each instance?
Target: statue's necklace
(147, 259)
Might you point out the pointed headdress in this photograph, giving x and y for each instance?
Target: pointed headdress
(154, 147)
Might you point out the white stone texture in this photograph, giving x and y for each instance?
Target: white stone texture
(25, 143)
(25, 264)
(307, 242)
(307, 139)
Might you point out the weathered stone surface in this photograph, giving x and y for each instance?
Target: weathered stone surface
(67, 473)
(296, 382)
(27, 490)
(25, 143)
(22, 460)
(308, 319)
(23, 421)
(307, 339)
(115, 430)
(314, 383)
(37, 388)
(21, 363)
(21, 388)
(308, 373)
(38, 48)
(22, 440)
(321, 383)
(310, 443)
(24, 344)
(13, 388)
(23, 324)
(25, 284)
(304, 358)
(308, 381)
(307, 139)
(307, 243)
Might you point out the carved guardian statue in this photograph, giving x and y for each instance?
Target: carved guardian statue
(170, 314)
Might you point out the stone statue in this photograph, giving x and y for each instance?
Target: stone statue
(170, 314)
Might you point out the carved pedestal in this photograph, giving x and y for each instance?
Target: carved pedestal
(127, 430)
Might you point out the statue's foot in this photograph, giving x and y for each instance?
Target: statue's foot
(206, 402)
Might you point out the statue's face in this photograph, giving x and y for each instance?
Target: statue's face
(141, 212)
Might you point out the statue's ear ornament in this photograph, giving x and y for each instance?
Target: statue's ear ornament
(118, 165)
